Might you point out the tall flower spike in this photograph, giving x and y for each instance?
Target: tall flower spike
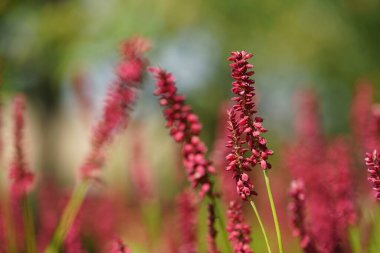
(239, 231)
(22, 177)
(185, 128)
(245, 127)
(187, 207)
(373, 163)
(297, 216)
(122, 96)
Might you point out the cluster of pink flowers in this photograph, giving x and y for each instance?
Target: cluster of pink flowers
(187, 205)
(327, 181)
(373, 163)
(121, 97)
(297, 216)
(20, 174)
(239, 231)
(245, 127)
(185, 128)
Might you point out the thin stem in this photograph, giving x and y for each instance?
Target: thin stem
(29, 225)
(9, 225)
(261, 225)
(222, 226)
(355, 239)
(68, 216)
(274, 212)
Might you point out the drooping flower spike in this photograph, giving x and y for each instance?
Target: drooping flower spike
(185, 128)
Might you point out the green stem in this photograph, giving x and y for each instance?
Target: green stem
(355, 239)
(9, 224)
(29, 225)
(222, 226)
(274, 212)
(68, 216)
(261, 225)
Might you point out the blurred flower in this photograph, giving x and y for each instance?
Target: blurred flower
(187, 207)
(22, 178)
(185, 128)
(372, 162)
(119, 247)
(141, 172)
(325, 171)
(297, 216)
(239, 231)
(122, 96)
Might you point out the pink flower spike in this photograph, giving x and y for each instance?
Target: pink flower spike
(22, 178)
(185, 128)
(239, 231)
(121, 98)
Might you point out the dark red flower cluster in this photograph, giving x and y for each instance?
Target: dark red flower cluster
(297, 216)
(237, 163)
(239, 231)
(185, 128)
(122, 96)
(22, 177)
(187, 205)
(373, 163)
(245, 127)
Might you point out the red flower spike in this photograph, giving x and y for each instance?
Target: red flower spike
(185, 128)
(245, 127)
(297, 216)
(239, 231)
(187, 205)
(122, 96)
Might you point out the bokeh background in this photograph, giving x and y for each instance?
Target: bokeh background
(46, 45)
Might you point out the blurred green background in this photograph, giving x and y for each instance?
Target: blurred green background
(325, 44)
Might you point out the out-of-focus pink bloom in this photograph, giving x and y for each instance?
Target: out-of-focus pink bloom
(325, 171)
(185, 128)
(362, 117)
(373, 164)
(187, 207)
(121, 98)
(245, 127)
(22, 178)
(297, 216)
(239, 231)
(118, 246)
(212, 247)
